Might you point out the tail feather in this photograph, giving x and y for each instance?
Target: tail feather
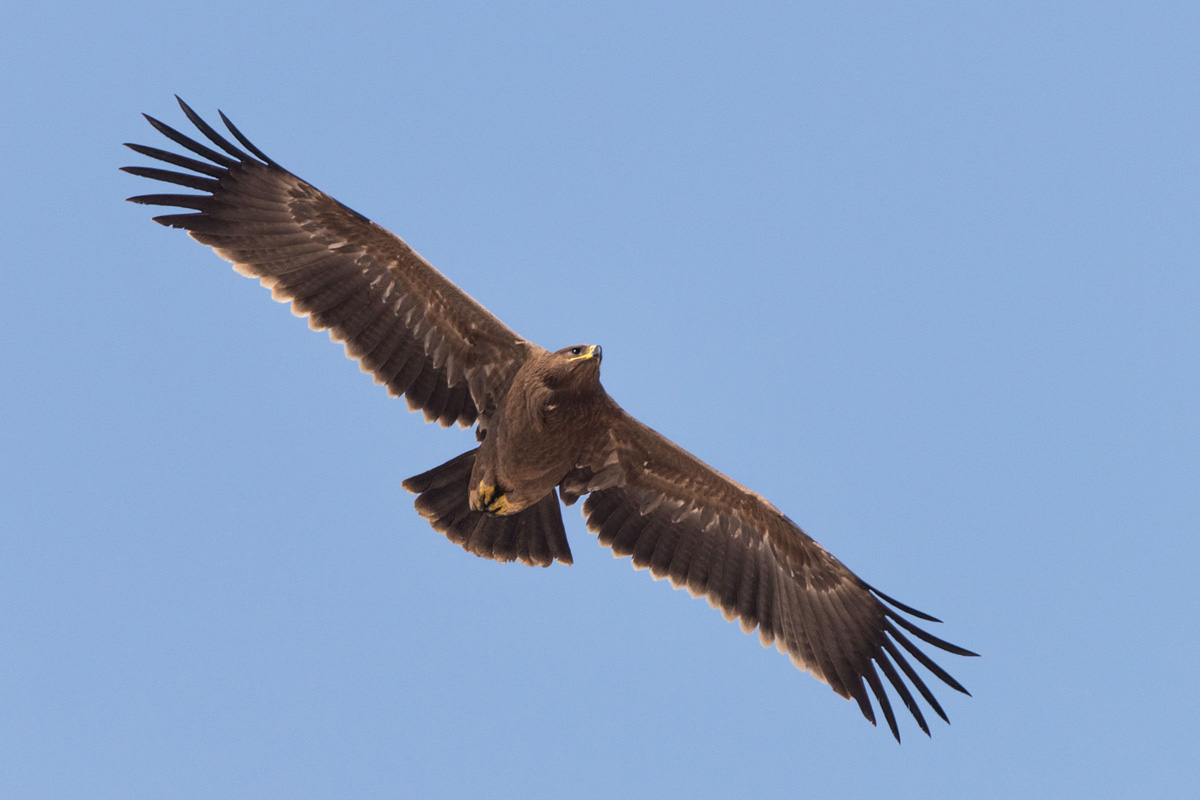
(535, 536)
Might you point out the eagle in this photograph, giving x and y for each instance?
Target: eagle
(547, 431)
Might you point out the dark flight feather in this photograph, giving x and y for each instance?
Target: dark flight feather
(424, 338)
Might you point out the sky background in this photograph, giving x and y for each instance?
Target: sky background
(928, 278)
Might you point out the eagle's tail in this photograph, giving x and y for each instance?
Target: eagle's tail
(534, 536)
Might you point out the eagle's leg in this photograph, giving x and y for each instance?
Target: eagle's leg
(491, 499)
(534, 535)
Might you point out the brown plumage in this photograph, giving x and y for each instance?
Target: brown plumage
(546, 428)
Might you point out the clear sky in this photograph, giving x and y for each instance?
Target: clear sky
(929, 279)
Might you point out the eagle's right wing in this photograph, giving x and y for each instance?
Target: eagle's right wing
(406, 323)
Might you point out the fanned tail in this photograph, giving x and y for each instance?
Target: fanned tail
(535, 536)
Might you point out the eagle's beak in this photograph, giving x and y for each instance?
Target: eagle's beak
(593, 351)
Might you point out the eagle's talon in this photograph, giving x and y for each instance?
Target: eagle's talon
(489, 499)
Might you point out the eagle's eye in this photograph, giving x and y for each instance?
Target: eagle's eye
(575, 351)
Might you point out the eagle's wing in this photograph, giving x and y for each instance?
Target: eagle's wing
(686, 522)
(408, 325)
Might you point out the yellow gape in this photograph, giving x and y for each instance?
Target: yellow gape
(589, 353)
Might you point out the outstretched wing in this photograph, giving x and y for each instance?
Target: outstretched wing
(686, 522)
(408, 325)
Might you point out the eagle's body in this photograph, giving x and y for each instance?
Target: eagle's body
(546, 428)
(554, 411)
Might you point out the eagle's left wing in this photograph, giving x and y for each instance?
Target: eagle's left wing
(679, 517)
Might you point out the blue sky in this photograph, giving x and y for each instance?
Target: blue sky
(925, 277)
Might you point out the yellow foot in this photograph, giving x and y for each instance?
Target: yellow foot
(491, 502)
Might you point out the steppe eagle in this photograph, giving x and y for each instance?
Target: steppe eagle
(546, 427)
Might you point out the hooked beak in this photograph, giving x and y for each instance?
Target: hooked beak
(593, 351)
